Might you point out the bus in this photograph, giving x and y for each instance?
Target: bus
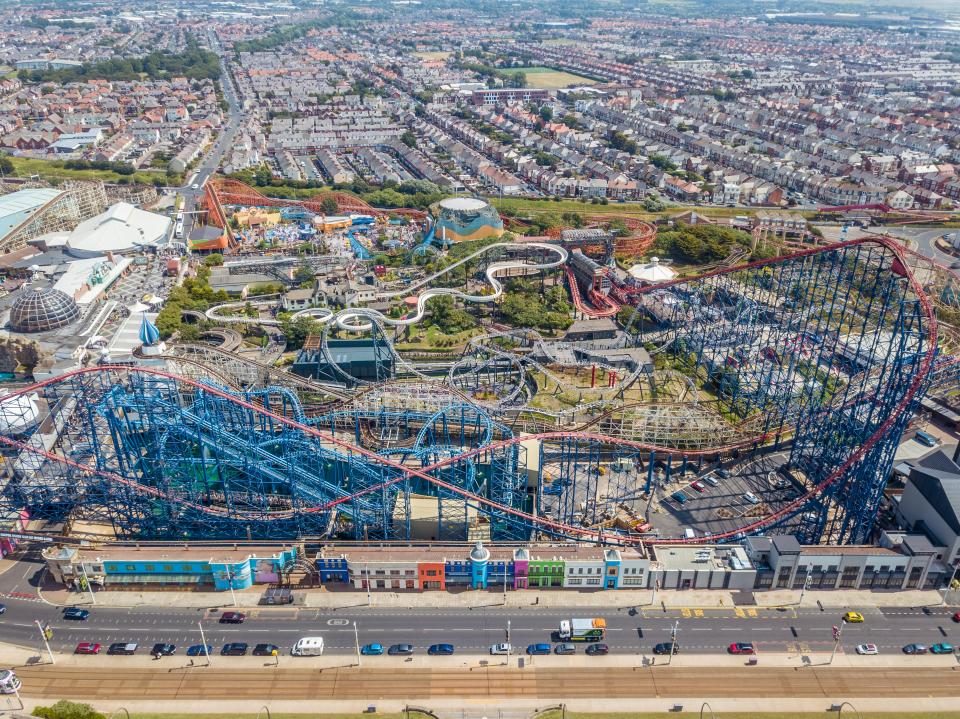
(178, 232)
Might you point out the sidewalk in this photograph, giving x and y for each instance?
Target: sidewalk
(321, 598)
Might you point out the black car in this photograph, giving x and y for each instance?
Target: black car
(265, 650)
(3, 608)
(598, 649)
(122, 648)
(400, 649)
(440, 650)
(664, 648)
(76, 613)
(232, 618)
(234, 649)
(164, 650)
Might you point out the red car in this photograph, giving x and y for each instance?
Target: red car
(232, 618)
(87, 648)
(698, 486)
(956, 617)
(740, 648)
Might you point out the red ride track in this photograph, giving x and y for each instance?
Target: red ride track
(609, 307)
(569, 530)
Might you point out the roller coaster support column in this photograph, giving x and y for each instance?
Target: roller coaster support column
(683, 466)
(669, 467)
(653, 457)
(593, 376)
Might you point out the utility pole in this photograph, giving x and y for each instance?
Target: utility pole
(43, 635)
(508, 632)
(356, 639)
(505, 584)
(366, 573)
(837, 633)
(673, 640)
(203, 639)
(93, 599)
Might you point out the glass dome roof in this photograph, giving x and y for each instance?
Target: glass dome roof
(42, 309)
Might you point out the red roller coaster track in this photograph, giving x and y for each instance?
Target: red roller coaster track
(603, 306)
(405, 472)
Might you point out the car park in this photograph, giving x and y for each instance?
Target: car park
(163, 650)
(565, 648)
(400, 650)
(265, 650)
(372, 650)
(867, 649)
(535, 649)
(232, 618)
(441, 650)
(122, 648)
(500, 649)
(234, 649)
(853, 617)
(87, 648)
(597, 650)
(915, 649)
(200, 650)
(741, 648)
(664, 648)
(941, 648)
(76, 614)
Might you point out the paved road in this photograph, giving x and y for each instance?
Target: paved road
(531, 682)
(708, 630)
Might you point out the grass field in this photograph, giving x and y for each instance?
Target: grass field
(55, 170)
(547, 78)
(532, 207)
(435, 55)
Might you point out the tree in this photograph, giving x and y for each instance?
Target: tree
(408, 138)
(329, 206)
(446, 316)
(297, 330)
(304, 273)
(546, 113)
(64, 709)
(213, 260)
(6, 166)
(168, 321)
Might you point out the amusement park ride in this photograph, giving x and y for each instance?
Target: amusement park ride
(820, 357)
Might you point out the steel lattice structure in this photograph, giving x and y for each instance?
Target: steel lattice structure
(823, 354)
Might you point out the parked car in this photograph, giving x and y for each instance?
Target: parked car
(122, 648)
(853, 617)
(565, 648)
(400, 649)
(535, 649)
(698, 486)
(265, 650)
(722, 473)
(598, 649)
(741, 648)
(751, 498)
(956, 616)
(941, 648)
(200, 650)
(499, 649)
(3, 608)
(232, 618)
(372, 650)
(234, 649)
(711, 479)
(164, 650)
(664, 648)
(76, 614)
(442, 650)
(915, 649)
(87, 648)
(679, 497)
(867, 649)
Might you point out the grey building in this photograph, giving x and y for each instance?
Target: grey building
(930, 504)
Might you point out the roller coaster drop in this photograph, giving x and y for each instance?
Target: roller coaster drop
(823, 355)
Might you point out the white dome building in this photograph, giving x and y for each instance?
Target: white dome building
(121, 229)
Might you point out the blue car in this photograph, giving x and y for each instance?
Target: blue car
(76, 613)
(679, 497)
(197, 650)
(444, 650)
(538, 649)
(372, 650)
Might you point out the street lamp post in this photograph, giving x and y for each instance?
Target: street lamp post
(203, 640)
(504, 584)
(837, 633)
(356, 639)
(673, 640)
(93, 599)
(953, 578)
(230, 582)
(366, 573)
(806, 586)
(43, 635)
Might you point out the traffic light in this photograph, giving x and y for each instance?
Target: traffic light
(836, 633)
(47, 632)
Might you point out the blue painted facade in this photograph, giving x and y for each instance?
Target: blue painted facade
(333, 569)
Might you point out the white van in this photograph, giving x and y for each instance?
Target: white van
(689, 533)
(308, 647)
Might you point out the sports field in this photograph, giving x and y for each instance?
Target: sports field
(433, 55)
(548, 78)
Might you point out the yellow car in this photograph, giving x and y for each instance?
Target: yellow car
(853, 617)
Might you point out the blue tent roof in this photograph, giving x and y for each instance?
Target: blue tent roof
(149, 334)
